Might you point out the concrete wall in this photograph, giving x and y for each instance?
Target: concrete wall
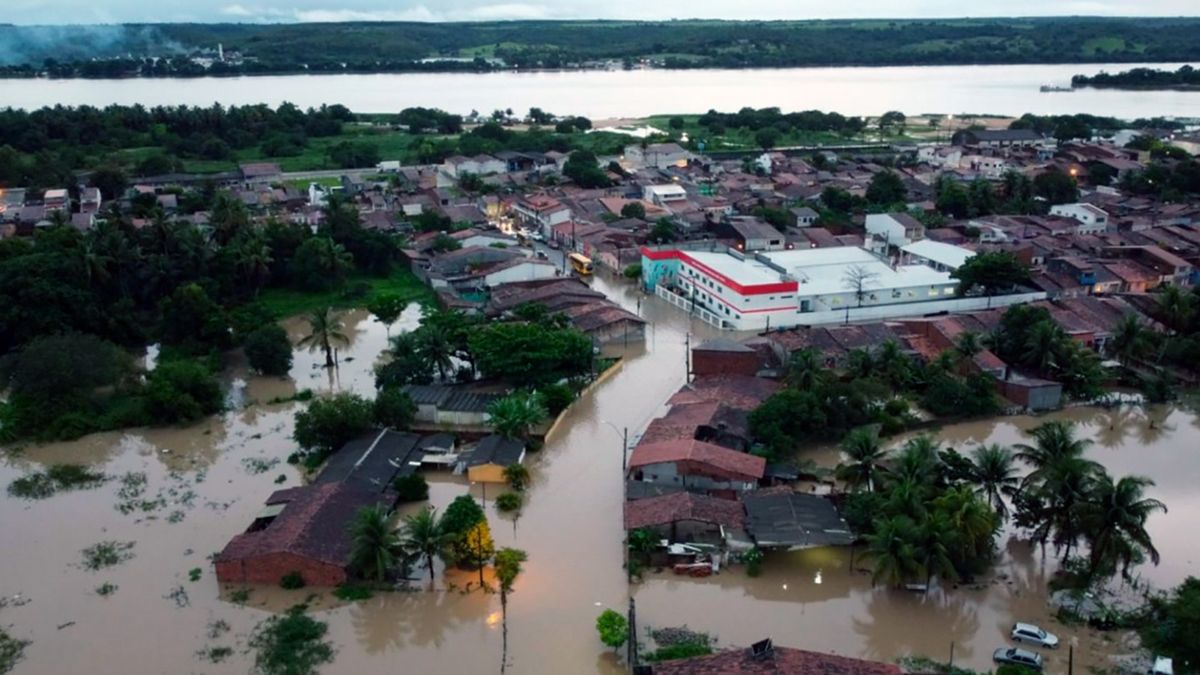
(671, 473)
(272, 567)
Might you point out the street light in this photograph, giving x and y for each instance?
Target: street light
(483, 489)
(624, 432)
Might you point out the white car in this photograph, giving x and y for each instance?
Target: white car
(1031, 634)
(1018, 657)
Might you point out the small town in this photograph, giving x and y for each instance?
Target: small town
(757, 391)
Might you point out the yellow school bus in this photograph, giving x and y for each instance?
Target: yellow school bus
(581, 264)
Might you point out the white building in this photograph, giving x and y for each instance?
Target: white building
(735, 291)
(1092, 219)
(938, 255)
(479, 165)
(541, 213)
(897, 229)
(657, 155)
(664, 195)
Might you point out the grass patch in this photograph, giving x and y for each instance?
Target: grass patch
(107, 554)
(194, 574)
(241, 596)
(357, 292)
(352, 592)
(509, 501)
(302, 395)
(58, 478)
(290, 644)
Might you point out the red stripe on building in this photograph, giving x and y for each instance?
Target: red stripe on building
(735, 307)
(742, 289)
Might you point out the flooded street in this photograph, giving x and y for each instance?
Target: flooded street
(205, 483)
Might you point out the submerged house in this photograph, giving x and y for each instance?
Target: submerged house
(696, 465)
(300, 530)
(492, 456)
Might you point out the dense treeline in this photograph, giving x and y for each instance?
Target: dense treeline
(1142, 78)
(680, 44)
(46, 146)
(192, 290)
(772, 118)
(183, 66)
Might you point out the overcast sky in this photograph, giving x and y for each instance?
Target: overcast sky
(138, 11)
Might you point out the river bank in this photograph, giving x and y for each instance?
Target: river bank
(202, 483)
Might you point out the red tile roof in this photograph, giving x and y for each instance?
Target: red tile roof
(687, 450)
(679, 506)
(779, 660)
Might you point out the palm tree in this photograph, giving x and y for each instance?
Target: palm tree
(860, 364)
(1114, 521)
(968, 344)
(919, 460)
(1043, 345)
(935, 540)
(892, 551)
(424, 535)
(1054, 441)
(325, 329)
(94, 262)
(1178, 308)
(1057, 484)
(995, 475)
(508, 567)
(375, 543)
(514, 415)
(865, 455)
(895, 366)
(804, 371)
(1130, 340)
(974, 522)
(433, 345)
(334, 259)
(254, 260)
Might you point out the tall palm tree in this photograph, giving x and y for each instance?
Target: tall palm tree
(254, 261)
(895, 366)
(434, 345)
(892, 551)
(935, 541)
(804, 371)
(514, 415)
(995, 475)
(860, 364)
(865, 456)
(325, 330)
(1130, 340)
(1114, 520)
(508, 568)
(424, 535)
(1043, 346)
(974, 522)
(334, 259)
(1053, 441)
(94, 262)
(1178, 308)
(968, 344)
(374, 542)
(919, 460)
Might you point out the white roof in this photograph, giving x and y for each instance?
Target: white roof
(748, 272)
(666, 189)
(946, 254)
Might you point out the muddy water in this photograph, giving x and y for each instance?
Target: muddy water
(570, 526)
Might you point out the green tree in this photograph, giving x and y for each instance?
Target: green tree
(613, 628)
(675, 123)
(1114, 517)
(1055, 187)
(424, 534)
(517, 476)
(1172, 628)
(434, 345)
(320, 264)
(508, 568)
(269, 350)
(767, 138)
(663, 231)
(974, 523)
(935, 538)
(1131, 339)
(190, 319)
(325, 330)
(886, 188)
(290, 644)
(374, 543)
(329, 423)
(992, 272)
(788, 418)
(865, 454)
(804, 370)
(179, 391)
(393, 408)
(529, 354)
(387, 307)
(457, 520)
(516, 414)
(633, 209)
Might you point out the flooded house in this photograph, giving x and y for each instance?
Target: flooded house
(781, 518)
(441, 406)
(696, 465)
(495, 453)
(763, 657)
(685, 516)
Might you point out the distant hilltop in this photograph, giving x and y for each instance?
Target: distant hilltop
(123, 50)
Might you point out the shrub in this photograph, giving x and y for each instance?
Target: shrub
(517, 476)
(633, 271)
(290, 644)
(412, 488)
(329, 423)
(613, 628)
(509, 501)
(753, 559)
(556, 397)
(292, 580)
(352, 592)
(182, 391)
(269, 350)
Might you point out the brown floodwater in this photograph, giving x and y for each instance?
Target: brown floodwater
(205, 483)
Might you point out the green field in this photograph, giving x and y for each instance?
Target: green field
(743, 139)
(392, 145)
(285, 302)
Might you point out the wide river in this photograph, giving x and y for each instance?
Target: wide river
(997, 90)
(205, 483)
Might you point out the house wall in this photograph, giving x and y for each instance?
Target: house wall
(677, 473)
(272, 567)
(618, 333)
(525, 272)
(486, 473)
(706, 362)
(1032, 396)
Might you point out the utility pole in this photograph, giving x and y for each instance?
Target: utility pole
(687, 357)
(1071, 660)
(633, 650)
(624, 450)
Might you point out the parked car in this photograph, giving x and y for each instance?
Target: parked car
(1018, 657)
(1031, 634)
(541, 255)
